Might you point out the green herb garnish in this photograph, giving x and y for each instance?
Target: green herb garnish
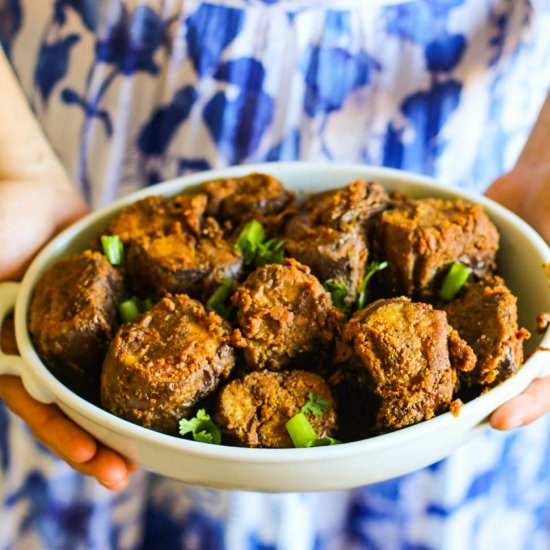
(338, 292)
(372, 268)
(128, 310)
(131, 308)
(270, 252)
(219, 297)
(249, 240)
(201, 427)
(315, 405)
(255, 249)
(454, 280)
(301, 431)
(324, 442)
(143, 305)
(113, 249)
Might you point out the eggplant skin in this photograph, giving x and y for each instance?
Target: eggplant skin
(253, 410)
(158, 367)
(73, 317)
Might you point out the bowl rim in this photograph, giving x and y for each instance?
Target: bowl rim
(474, 411)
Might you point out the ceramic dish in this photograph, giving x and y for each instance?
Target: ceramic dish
(524, 260)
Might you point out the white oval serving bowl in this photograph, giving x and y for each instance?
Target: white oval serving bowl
(524, 261)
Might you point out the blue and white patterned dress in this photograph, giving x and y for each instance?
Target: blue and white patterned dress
(133, 92)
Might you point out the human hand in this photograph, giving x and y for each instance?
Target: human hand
(30, 213)
(526, 191)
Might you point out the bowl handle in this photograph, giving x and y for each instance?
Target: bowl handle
(9, 364)
(15, 364)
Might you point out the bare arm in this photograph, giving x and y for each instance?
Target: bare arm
(36, 201)
(34, 187)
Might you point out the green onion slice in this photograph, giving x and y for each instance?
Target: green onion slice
(372, 268)
(131, 308)
(113, 249)
(143, 305)
(454, 280)
(128, 310)
(325, 442)
(201, 427)
(300, 430)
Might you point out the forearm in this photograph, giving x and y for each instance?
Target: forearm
(36, 197)
(24, 150)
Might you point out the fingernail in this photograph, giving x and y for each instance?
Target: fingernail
(114, 485)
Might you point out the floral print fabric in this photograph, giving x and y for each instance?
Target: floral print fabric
(134, 92)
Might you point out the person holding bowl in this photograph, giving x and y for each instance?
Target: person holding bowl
(128, 93)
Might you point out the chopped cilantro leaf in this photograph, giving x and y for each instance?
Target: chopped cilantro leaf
(201, 427)
(203, 436)
(217, 300)
(249, 239)
(338, 292)
(255, 249)
(270, 252)
(372, 268)
(315, 405)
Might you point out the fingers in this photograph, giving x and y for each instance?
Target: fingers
(525, 408)
(7, 337)
(108, 467)
(47, 422)
(64, 438)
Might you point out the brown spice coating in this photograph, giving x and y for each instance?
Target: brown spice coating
(398, 359)
(159, 366)
(485, 314)
(253, 410)
(252, 196)
(171, 247)
(330, 234)
(178, 262)
(330, 253)
(156, 214)
(285, 317)
(406, 353)
(353, 204)
(421, 238)
(73, 317)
